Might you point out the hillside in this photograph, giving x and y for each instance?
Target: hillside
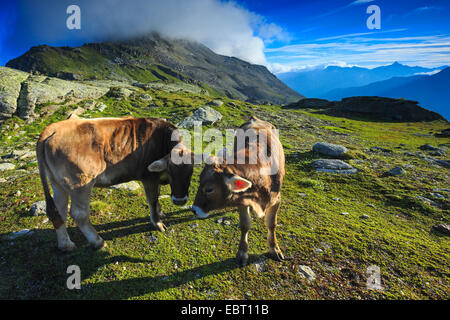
(318, 82)
(337, 225)
(430, 91)
(154, 58)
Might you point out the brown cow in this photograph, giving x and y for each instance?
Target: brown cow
(79, 154)
(246, 186)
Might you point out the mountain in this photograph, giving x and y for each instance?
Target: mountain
(156, 58)
(316, 83)
(431, 91)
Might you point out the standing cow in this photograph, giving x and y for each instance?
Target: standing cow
(249, 187)
(78, 154)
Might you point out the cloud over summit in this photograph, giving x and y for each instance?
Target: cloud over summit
(225, 27)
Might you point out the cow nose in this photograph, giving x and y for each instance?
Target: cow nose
(179, 201)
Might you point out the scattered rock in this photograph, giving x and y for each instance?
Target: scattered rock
(429, 147)
(203, 115)
(344, 213)
(437, 195)
(119, 92)
(3, 180)
(215, 232)
(38, 208)
(193, 226)
(426, 200)
(216, 103)
(7, 166)
(102, 107)
(375, 149)
(260, 265)
(306, 272)
(329, 149)
(365, 217)
(441, 228)
(334, 166)
(397, 171)
(145, 97)
(130, 186)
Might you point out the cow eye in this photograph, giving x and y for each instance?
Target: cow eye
(209, 190)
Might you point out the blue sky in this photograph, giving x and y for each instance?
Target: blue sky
(283, 35)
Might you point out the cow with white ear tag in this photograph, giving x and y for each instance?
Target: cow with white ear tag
(252, 187)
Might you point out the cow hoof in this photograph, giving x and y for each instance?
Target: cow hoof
(276, 255)
(242, 258)
(100, 244)
(160, 226)
(69, 246)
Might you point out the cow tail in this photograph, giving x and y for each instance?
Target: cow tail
(51, 210)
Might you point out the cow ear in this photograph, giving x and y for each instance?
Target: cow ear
(238, 184)
(158, 165)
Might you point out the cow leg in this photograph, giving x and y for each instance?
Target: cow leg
(61, 198)
(244, 224)
(152, 193)
(271, 223)
(79, 211)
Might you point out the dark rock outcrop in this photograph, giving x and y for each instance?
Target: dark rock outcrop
(377, 108)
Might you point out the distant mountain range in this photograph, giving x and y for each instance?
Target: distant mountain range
(317, 82)
(428, 86)
(431, 91)
(156, 58)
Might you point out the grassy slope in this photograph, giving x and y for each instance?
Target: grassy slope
(190, 261)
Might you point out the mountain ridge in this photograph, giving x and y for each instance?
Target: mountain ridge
(155, 58)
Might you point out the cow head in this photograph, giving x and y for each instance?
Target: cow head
(177, 171)
(219, 188)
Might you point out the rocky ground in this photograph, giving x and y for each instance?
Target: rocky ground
(357, 194)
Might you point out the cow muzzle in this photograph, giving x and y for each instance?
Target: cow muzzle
(199, 212)
(179, 201)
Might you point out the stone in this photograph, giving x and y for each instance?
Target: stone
(333, 166)
(426, 200)
(204, 115)
(429, 147)
(329, 149)
(102, 107)
(10, 86)
(38, 208)
(375, 149)
(365, 217)
(130, 186)
(441, 228)
(145, 97)
(344, 213)
(216, 103)
(7, 166)
(396, 171)
(306, 272)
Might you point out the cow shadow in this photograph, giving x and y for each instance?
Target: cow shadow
(36, 269)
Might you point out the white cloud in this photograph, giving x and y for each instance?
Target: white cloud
(223, 26)
(427, 51)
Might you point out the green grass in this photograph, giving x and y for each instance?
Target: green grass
(192, 261)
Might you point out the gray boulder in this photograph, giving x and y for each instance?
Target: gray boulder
(397, 171)
(441, 228)
(216, 103)
(204, 115)
(38, 208)
(10, 84)
(333, 166)
(329, 149)
(130, 186)
(7, 166)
